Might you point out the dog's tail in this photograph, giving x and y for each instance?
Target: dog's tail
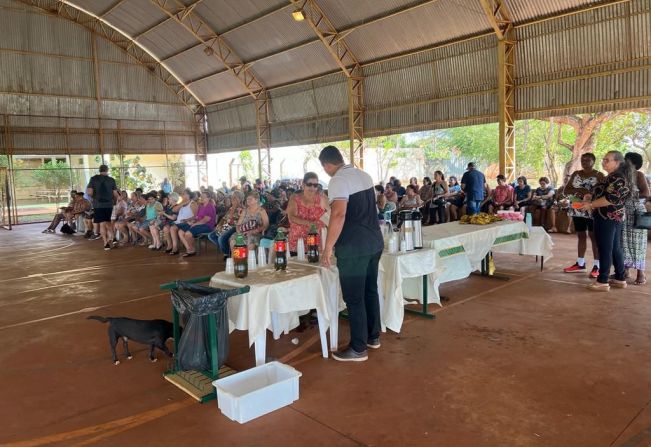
(98, 318)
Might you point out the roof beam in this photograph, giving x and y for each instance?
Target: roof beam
(187, 9)
(344, 32)
(255, 19)
(498, 16)
(218, 48)
(349, 64)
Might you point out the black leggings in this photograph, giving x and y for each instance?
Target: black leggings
(437, 210)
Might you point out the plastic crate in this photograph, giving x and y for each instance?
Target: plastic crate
(257, 391)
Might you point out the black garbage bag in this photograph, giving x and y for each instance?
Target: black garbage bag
(194, 303)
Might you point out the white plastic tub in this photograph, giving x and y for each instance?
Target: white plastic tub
(257, 391)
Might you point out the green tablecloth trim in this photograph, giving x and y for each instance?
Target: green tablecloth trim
(500, 240)
(451, 251)
(510, 238)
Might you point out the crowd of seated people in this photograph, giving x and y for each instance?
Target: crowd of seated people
(170, 222)
(442, 201)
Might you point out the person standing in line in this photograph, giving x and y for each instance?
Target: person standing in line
(606, 203)
(579, 184)
(103, 190)
(634, 241)
(354, 235)
(473, 183)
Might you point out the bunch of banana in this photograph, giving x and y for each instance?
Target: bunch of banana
(480, 219)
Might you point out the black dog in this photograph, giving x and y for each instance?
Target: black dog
(150, 332)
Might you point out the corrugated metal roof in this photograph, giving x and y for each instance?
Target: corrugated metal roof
(167, 39)
(223, 15)
(302, 62)
(527, 10)
(135, 17)
(271, 33)
(194, 64)
(218, 87)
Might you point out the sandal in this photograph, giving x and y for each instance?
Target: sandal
(172, 253)
(188, 254)
(553, 230)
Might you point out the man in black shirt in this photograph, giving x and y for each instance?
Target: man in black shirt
(103, 190)
(355, 236)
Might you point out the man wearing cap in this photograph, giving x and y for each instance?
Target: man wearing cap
(355, 237)
(103, 190)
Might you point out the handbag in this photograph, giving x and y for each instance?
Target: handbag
(642, 220)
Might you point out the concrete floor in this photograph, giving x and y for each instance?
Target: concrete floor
(535, 361)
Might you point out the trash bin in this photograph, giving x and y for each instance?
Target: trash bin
(204, 316)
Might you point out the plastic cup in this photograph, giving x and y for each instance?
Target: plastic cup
(253, 265)
(262, 257)
(230, 268)
(300, 249)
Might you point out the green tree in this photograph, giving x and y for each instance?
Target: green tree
(246, 162)
(53, 175)
(177, 173)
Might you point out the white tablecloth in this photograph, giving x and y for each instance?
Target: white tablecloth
(394, 269)
(539, 243)
(282, 295)
(460, 250)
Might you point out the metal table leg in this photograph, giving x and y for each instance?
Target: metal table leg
(422, 313)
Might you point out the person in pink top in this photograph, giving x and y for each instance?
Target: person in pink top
(203, 222)
(501, 197)
(304, 209)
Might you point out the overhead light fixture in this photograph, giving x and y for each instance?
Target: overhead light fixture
(298, 15)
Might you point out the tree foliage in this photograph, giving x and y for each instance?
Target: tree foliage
(53, 175)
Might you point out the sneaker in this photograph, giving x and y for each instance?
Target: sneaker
(114, 243)
(88, 234)
(151, 246)
(594, 273)
(599, 287)
(107, 247)
(350, 355)
(373, 343)
(617, 283)
(94, 237)
(576, 268)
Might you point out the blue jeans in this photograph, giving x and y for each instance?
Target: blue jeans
(473, 207)
(609, 236)
(222, 240)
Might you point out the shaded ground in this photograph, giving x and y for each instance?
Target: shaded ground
(535, 361)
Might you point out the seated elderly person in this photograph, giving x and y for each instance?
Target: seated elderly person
(543, 199)
(253, 221)
(136, 217)
(202, 223)
(59, 216)
(501, 197)
(304, 210)
(226, 226)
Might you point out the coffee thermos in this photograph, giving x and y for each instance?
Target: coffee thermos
(407, 229)
(411, 231)
(418, 228)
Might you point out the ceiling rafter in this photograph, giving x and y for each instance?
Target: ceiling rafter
(230, 30)
(97, 25)
(189, 8)
(216, 46)
(344, 32)
(399, 55)
(349, 64)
